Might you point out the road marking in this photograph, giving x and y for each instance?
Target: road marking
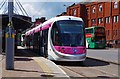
(42, 64)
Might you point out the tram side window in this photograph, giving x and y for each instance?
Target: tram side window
(36, 40)
(46, 36)
(54, 35)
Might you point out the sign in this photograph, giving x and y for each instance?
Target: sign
(88, 35)
(10, 24)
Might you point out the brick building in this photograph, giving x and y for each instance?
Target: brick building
(38, 21)
(78, 10)
(62, 14)
(106, 14)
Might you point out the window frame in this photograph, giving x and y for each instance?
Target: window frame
(100, 8)
(93, 9)
(74, 12)
(115, 5)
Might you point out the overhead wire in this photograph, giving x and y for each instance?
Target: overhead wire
(2, 4)
(19, 7)
(22, 8)
(5, 9)
(16, 11)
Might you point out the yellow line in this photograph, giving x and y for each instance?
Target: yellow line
(44, 67)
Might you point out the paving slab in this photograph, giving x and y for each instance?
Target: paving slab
(30, 66)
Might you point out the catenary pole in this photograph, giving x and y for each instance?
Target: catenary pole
(10, 39)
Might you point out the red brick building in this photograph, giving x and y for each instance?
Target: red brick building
(106, 14)
(63, 14)
(78, 10)
(38, 21)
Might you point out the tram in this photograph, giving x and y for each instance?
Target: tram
(60, 38)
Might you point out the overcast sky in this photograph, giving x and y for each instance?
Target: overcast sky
(45, 8)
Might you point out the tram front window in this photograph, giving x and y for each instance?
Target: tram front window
(71, 33)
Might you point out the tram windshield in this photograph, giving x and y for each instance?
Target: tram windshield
(71, 33)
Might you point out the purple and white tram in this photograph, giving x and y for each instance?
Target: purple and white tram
(60, 39)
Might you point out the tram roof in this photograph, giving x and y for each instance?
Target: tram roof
(62, 18)
(48, 23)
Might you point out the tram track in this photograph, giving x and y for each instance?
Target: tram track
(84, 75)
(103, 69)
(81, 75)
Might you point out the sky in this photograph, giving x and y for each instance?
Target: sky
(44, 8)
(40, 8)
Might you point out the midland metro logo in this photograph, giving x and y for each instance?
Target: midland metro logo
(75, 50)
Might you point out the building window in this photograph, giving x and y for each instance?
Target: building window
(100, 8)
(116, 18)
(107, 19)
(93, 10)
(93, 21)
(100, 20)
(87, 10)
(74, 12)
(115, 4)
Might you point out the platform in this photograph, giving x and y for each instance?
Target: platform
(27, 64)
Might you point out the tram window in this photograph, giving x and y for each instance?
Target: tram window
(55, 35)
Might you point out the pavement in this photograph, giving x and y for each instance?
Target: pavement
(110, 55)
(31, 66)
(0, 66)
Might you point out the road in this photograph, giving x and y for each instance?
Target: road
(93, 67)
(110, 55)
